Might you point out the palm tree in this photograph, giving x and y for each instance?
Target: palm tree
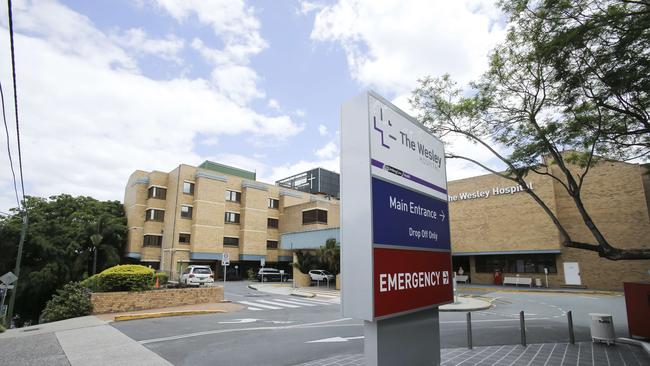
(330, 255)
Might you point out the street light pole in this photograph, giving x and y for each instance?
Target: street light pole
(12, 298)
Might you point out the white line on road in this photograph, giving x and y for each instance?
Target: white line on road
(259, 305)
(219, 331)
(278, 304)
(293, 302)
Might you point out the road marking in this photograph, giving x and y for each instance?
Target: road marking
(254, 309)
(326, 323)
(279, 304)
(240, 321)
(259, 305)
(320, 302)
(335, 339)
(293, 302)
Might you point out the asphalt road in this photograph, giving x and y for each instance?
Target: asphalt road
(268, 333)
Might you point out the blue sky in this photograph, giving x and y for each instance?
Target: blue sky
(108, 87)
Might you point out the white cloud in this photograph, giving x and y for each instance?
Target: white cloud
(307, 7)
(300, 112)
(136, 39)
(238, 82)
(89, 118)
(273, 104)
(328, 151)
(322, 130)
(390, 44)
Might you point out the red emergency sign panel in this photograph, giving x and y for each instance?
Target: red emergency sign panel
(410, 279)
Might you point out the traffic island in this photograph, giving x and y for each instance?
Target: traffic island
(466, 304)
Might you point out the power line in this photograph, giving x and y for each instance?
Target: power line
(11, 162)
(13, 74)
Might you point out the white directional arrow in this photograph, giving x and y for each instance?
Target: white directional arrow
(442, 213)
(280, 321)
(334, 339)
(240, 321)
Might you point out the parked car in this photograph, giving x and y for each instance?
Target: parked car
(271, 274)
(320, 275)
(197, 276)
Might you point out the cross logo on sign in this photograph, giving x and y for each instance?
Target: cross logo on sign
(226, 259)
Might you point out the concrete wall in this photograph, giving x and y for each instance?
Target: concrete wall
(116, 302)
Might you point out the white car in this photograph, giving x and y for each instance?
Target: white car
(197, 276)
(320, 275)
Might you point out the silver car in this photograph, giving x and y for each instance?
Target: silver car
(320, 275)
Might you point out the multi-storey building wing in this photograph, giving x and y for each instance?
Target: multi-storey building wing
(192, 215)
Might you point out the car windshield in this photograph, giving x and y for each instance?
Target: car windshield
(326, 273)
(269, 270)
(202, 271)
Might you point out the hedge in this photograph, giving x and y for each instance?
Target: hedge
(128, 277)
(162, 278)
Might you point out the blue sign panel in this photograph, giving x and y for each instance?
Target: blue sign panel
(405, 218)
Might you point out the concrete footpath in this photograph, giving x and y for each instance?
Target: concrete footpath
(89, 340)
(580, 354)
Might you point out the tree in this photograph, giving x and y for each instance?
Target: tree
(330, 256)
(540, 115)
(58, 248)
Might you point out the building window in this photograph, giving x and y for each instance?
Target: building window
(528, 263)
(158, 192)
(271, 244)
(231, 218)
(155, 215)
(188, 187)
(233, 196)
(230, 241)
(315, 216)
(186, 211)
(273, 203)
(272, 223)
(152, 240)
(184, 238)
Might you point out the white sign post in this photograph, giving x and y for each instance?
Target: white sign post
(225, 261)
(396, 250)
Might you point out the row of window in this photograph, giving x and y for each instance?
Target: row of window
(186, 213)
(188, 188)
(314, 216)
(184, 238)
(531, 263)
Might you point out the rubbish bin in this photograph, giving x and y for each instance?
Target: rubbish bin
(538, 282)
(602, 328)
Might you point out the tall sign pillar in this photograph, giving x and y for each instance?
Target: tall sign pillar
(396, 251)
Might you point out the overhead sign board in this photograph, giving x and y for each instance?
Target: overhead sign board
(394, 211)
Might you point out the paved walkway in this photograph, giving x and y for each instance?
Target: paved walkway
(548, 354)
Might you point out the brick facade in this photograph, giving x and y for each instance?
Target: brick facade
(117, 302)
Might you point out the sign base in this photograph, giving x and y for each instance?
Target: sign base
(411, 339)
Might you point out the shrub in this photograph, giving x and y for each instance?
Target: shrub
(2, 329)
(70, 302)
(162, 278)
(91, 283)
(306, 261)
(250, 274)
(128, 277)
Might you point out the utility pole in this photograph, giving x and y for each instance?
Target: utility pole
(12, 298)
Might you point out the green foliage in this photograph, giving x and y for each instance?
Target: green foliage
(91, 283)
(330, 256)
(128, 277)
(162, 277)
(58, 248)
(250, 274)
(2, 329)
(70, 302)
(306, 261)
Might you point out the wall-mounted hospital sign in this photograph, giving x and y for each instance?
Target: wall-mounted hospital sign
(396, 251)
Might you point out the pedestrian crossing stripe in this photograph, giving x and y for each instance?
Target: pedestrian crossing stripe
(277, 304)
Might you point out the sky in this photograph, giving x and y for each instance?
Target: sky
(109, 87)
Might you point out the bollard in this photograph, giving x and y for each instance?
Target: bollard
(522, 325)
(469, 330)
(572, 337)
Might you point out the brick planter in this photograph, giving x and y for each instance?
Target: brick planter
(301, 279)
(117, 302)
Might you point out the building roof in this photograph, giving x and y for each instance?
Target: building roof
(227, 169)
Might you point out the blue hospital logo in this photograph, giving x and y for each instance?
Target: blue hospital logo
(383, 127)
